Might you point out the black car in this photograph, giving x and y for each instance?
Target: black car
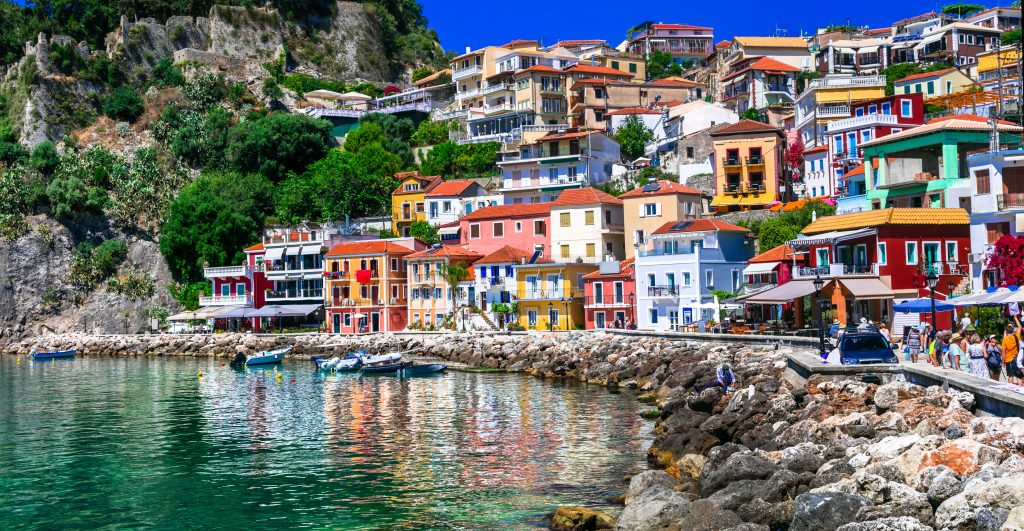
(856, 348)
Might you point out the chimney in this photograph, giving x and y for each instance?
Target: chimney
(468, 49)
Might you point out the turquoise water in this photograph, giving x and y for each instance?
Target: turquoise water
(134, 443)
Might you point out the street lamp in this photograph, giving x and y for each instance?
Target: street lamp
(551, 326)
(952, 286)
(932, 279)
(632, 309)
(818, 284)
(565, 304)
(280, 325)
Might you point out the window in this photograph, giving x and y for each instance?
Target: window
(735, 280)
(906, 89)
(886, 108)
(911, 253)
(949, 87)
(474, 231)
(963, 38)
(872, 109)
(865, 135)
(651, 209)
(981, 182)
(564, 251)
(859, 111)
(822, 256)
(553, 174)
(348, 319)
(571, 172)
(654, 315)
(615, 65)
(498, 229)
(931, 87)
(531, 318)
(539, 228)
(608, 217)
(591, 250)
(394, 264)
(689, 152)
(588, 217)
(930, 250)
(563, 219)
(446, 206)
(905, 108)
(638, 238)
(240, 289)
(598, 116)
(632, 68)
(225, 290)
(951, 252)
(598, 92)
(709, 278)
(917, 88)
(882, 257)
(419, 208)
(519, 226)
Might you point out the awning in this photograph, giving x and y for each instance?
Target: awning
(273, 254)
(310, 249)
(760, 268)
(201, 313)
(447, 231)
(935, 37)
(826, 238)
(867, 288)
(293, 251)
(234, 312)
(868, 49)
(787, 292)
(291, 310)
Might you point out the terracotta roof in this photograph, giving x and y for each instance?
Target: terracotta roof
(723, 44)
(930, 14)
(585, 196)
(451, 188)
(924, 75)
(665, 187)
(590, 81)
(795, 205)
(539, 68)
(745, 126)
(632, 110)
(432, 77)
(888, 216)
(567, 136)
(762, 64)
(775, 254)
(426, 183)
(449, 251)
(859, 170)
(257, 247)
(519, 42)
(505, 255)
(878, 31)
(576, 42)
(588, 69)
(772, 42)
(699, 225)
(507, 211)
(819, 149)
(958, 122)
(669, 103)
(625, 269)
(667, 82)
(661, 25)
(367, 247)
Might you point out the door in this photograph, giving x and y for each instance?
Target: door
(599, 318)
(337, 323)
(375, 322)
(931, 254)
(598, 293)
(860, 257)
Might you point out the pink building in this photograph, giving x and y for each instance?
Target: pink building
(683, 42)
(237, 289)
(522, 226)
(610, 296)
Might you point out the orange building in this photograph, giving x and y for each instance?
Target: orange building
(365, 285)
(748, 166)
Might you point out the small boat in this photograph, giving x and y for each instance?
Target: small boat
(411, 369)
(381, 368)
(351, 362)
(36, 355)
(268, 357)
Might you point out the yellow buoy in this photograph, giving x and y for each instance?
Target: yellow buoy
(279, 377)
(19, 361)
(200, 374)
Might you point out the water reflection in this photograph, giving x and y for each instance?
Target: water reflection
(140, 442)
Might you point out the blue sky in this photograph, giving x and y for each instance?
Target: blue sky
(477, 23)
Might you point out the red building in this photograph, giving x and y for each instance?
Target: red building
(237, 290)
(522, 226)
(869, 120)
(610, 295)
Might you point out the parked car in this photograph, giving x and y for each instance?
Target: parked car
(857, 348)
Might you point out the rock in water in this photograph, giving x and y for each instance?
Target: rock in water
(826, 511)
(581, 519)
(656, 508)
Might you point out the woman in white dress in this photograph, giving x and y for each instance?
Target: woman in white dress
(976, 356)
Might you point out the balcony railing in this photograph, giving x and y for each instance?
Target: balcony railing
(850, 204)
(343, 302)
(1009, 201)
(466, 94)
(678, 251)
(838, 270)
(833, 111)
(466, 72)
(862, 121)
(499, 87)
(662, 291)
(295, 294)
(226, 300)
(731, 161)
(501, 107)
(846, 81)
(229, 271)
(606, 300)
(755, 160)
(272, 267)
(550, 294)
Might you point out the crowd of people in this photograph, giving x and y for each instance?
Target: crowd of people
(967, 350)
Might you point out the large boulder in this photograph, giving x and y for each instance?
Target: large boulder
(581, 519)
(738, 466)
(898, 523)
(1015, 520)
(656, 508)
(960, 512)
(963, 456)
(826, 511)
(648, 479)
(890, 394)
(706, 515)
(940, 483)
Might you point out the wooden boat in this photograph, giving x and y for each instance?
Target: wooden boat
(411, 369)
(267, 357)
(381, 368)
(36, 355)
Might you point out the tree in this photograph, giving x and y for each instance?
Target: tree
(775, 231)
(962, 10)
(1011, 38)
(430, 133)
(397, 135)
(803, 77)
(277, 144)
(453, 273)
(341, 183)
(456, 161)
(1007, 259)
(421, 73)
(661, 65)
(795, 154)
(166, 74)
(271, 89)
(365, 135)
(424, 232)
(750, 114)
(123, 104)
(632, 137)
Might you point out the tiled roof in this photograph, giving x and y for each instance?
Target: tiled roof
(775, 254)
(257, 247)
(451, 188)
(625, 269)
(744, 126)
(878, 31)
(699, 225)
(505, 255)
(723, 44)
(426, 183)
(449, 251)
(960, 122)
(367, 247)
(507, 211)
(888, 216)
(570, 43)
(924, 75)
(594, 69)
(795, 205)
(674, 82)
(567, 136)
(772, 42)
(930, 14)
(665, 187)
(819, 149)
(432, 77)
(519, 42)
(585, 196)
(632, 110)
(763, 64)
(539, 68)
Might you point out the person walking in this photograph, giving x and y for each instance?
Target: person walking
(913, 343)
(1011, 347)
(994, 357)
(976, 357)
(884, 331)
(955, 350)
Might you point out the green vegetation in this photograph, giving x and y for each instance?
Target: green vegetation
(1011, 38)
(635, 180)
(123, 104)
(899, 71)
(134, 284)
(421, 72)
(188, 294)
(651, 413)
(632, 136)
(661, 65)
(91, 265)
(166, 74)
(431, 133)
(397, 136)
(424, 232)
(750, 114)
(303, 83)
(779, 229)
(454, 161)
(961, 10)
(803, 77)
(277, 143)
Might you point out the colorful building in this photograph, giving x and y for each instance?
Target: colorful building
(587, 226)
(537, 173)
(748, 157)
(431, 298)
(367, 285)
(647, 208)
(593, 98)
(522, 226)
(450, 200)
(829, 98)
(685, 43)
(609, 295)
(935, 83)
(760, 83)
(997, 207)
(683, 262)
(816, 180)
(409, 200)
(913, 169)
(865, 56)
(237, 290)
(999, 73)
(550, 295)
(609, 57)
(496, 284)
(293, 262)
(770, 269)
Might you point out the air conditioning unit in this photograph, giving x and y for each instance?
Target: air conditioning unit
(380, 302)
(394, 300)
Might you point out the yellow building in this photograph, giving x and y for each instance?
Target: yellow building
(550, 295)
(829, 98)
(472, 71)
(365, 286)
(408, 201)
(931, 84)
(748, 166)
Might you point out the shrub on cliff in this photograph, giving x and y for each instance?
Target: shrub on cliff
(123, 104)
(277, 144)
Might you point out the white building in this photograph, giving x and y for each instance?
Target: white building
(699, 115)
(587, 226)
(817, 178)
(293, 262)
(495, 279)
(450, 200)
(997, 207)
(557, 161)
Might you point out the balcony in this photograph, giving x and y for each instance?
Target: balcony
(837, 270)
(344, 302)
(466, 72)
(500, 107)
(731, 162)
(901, 180)
(852, 203)
(832, 110)
(542, 182)
(276, 268)
(755, 161)
(498, 87)
(846, 81)
(230, 271)
(683, 250)
(552, 294)
(606, 301)
(862, 121)
(465, 95)
(778, 87)
(295, 294)
(662, 292)
(226, 300)
(1010, 201)
(544, 128)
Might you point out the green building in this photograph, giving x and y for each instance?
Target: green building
(926, 166)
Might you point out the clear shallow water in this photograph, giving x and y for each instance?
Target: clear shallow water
(144, 443)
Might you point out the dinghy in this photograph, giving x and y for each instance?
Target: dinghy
(36, 355)
(268, 357)
(412, 369)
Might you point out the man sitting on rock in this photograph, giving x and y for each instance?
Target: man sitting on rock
(723, 380)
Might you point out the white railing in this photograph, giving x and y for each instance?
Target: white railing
(847, 81)
(226, 300)
(850, 204)
(504, 138)
(466, 94)
(519, 184)
(838, 270)
(861, 121)
(295, 294)
(229, 271)
(466, 72)
(501, 107)
(499, 87)
(832, 110)
(543, 128)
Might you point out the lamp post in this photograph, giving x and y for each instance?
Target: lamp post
(932, 279)
(565, 304)
(952, 286)
(632, 310)
(551, 326)
(818, 284)
(280, 325)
